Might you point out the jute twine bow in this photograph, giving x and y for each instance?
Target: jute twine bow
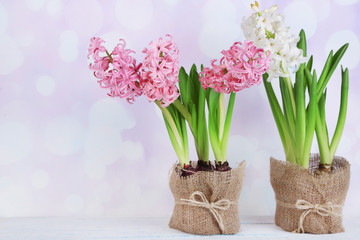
(324, 210)
(223, 204)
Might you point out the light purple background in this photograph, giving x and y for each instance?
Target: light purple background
(68, 149)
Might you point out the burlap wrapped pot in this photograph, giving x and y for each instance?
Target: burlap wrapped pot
(309, 201)
(206, 203)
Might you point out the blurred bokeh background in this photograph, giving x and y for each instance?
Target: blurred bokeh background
(66, 148)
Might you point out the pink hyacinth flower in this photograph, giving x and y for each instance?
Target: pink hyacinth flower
(160, 70)
(117, 72)
(241, 67)
(95, 48)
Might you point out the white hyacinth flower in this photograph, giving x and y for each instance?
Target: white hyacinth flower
(267, 30)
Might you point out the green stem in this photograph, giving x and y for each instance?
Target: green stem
(221, 115)
(225, 138)
(185, 113)
(214, 138)
(182, 155)
(213, 119)
(109, 55)
(291, 91)
(171, 122)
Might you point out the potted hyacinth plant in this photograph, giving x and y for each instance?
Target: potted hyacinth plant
(210, 197)
(156, 78)
(205, 196)
(240, 67)
(310, 189)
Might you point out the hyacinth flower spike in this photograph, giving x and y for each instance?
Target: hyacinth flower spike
(161, 72)
(155, 78)
(240, 67)
(296, 121)
(117, 71)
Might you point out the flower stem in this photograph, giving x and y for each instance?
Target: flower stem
(185, 113)
(213, 105)
(171, 122)
(300, 128)
(221, 115)
(291, 91)
(109, 55)
(225, 138)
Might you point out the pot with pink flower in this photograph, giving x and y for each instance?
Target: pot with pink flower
(207, 202)
(206, 194)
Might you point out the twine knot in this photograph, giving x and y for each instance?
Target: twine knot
(223, 204)
(324, 210)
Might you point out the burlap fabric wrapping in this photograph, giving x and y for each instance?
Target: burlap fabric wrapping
(309, 202)
(206, 203)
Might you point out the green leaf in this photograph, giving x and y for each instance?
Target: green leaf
(184, 136)
(176, 136)
(193, 110)
(278, 116)
(322, 137)
(213, 100)
(300, 113)
(324, 73)
(287, 106)
(213, 106)
(302, 42)
(334, 62)
(322, 116)
(342, 113)
(194, 121)
(310, 121)
(308, 80)
(183, 77)
(309, 63)
(213, 134)
(202, 127)
(194, 78)
(188, 94)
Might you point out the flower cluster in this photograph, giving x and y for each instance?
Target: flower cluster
(156, 77)
(117, 71)
(268, 31)
(160, 71)
(241, 67)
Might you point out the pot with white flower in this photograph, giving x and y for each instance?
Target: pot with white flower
(310, 189)
(206, 195)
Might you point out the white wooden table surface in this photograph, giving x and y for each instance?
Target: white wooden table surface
(104, 228)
